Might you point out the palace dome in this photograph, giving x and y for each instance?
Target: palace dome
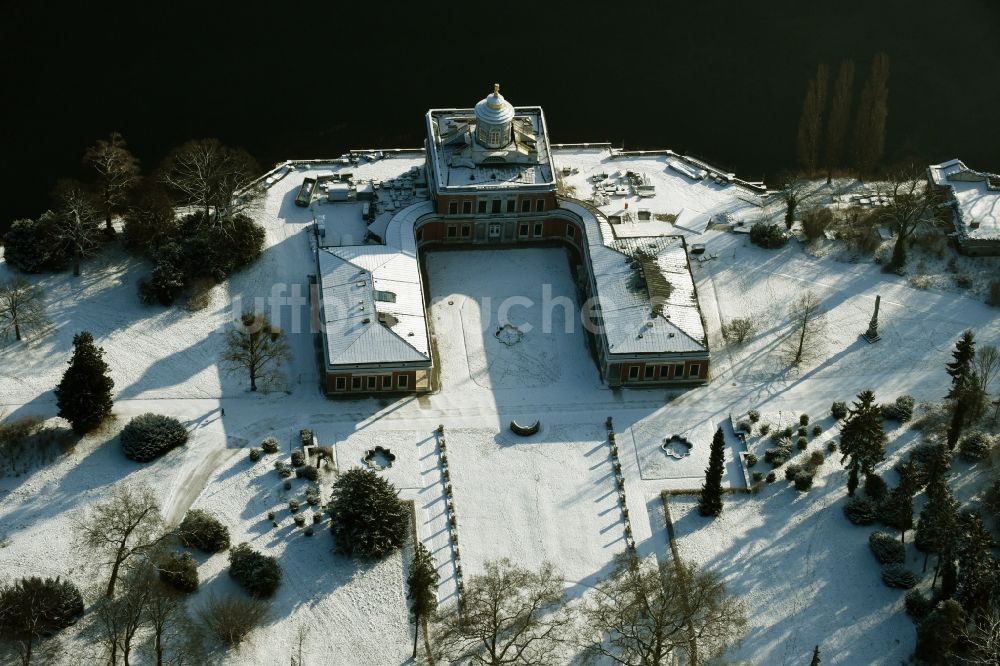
(494, 109)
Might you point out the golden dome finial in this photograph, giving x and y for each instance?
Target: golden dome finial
(496, 88)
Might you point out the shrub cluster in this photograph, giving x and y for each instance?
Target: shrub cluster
(917, 605)
(270, 445)
(815, 222)
(751, 459)
(801, 475)
(861, 510)
(199, 248)
(886, 548)
(753, 415)
(780, 454)
(33, 245)
(259, 574)
(764, 429)
(33, 606)
(149, 436)
(298, 458)
(767, 236)
(254, 455)
(975, 446)
(896, 575)
(283, 469)
(203, 531)
(839, 409)
(900, 410)
(307, 472)
(179, 571)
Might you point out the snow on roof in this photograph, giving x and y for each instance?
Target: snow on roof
(977, 198)
(639, 318)
(600, 176)
(460, 164)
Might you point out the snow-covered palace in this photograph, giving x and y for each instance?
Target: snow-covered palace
(488, 177)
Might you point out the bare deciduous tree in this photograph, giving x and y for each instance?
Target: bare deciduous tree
(797, 191)
(118, 620)
(648, 613)
(811, 121)
(256, 347)
(840, 117)
(77, 231)
(125, 527)
(14, 435)
(808, 321)
(117, 172)
(22, 308)
(987, 365)
(982, 637)
(231, 619)
(737, 330)
(873, 112)
(508, 615)
(910, 204)
(207, 174)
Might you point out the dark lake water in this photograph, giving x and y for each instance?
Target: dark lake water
(722, 80)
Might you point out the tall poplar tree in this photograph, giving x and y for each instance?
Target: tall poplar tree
(711, 492)
(873, 112)
(840, 117)
(811, 121)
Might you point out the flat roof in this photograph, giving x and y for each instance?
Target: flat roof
(977, 195)
(460, 164)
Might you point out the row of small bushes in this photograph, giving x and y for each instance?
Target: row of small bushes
(901, 409)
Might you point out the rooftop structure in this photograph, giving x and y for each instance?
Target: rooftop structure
(976, 198)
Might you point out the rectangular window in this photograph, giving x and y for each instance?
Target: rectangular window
(467, 207)
(453, 208)
(466, 230)
(355, 383)
(495, 206)
(538, 229)
(371, 383)
(481, 206)
(452, 231)
(694, 370)
(511, 204)
(403, 381)
(525, 205)
(539, 205)
(387, 381)
(570, 230)
(341, 383)
(633, 372)
(648, 373)
(522, 230)
(678, 371)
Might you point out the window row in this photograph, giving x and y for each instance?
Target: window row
(496, 206)
(666, 371)
(373, 382)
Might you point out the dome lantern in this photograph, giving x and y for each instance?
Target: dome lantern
(494, 117)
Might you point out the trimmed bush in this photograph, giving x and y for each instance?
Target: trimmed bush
(786, 433)
(203, 531)
(307, 472)
(254, 455)
(312, 496)
(270, 445)
(839, 409)
(917, 605)
(886, 548)
(831, 447)
(34, 606)
(975, 446)
(298, 458)
(757, 477)
(259, 574)
(804, 420)
(306, 437)
(300, 520)
(309, 531)
(861, 511)
(283, 469)
(751, 459)
(804, 480)
(801, 443)
(149, 436)
(771, 477)
(817, 431)
(764, 429)
(802, 431)
(792, 471)
(293, 506)
(317, 518)
(901, 410)
(767, 236)
(753, 415)
(778, 455)
(816, 458)
(745, 426)
(179, 571)
(898, 576)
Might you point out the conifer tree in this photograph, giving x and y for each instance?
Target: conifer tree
(961, 358)
(815, 660)
(422, 592)
(938, 633)
(862, 439)
(897, 509)
(84, 394)
(711, 491)
(937, 527)
(977, 568)
(965, 396)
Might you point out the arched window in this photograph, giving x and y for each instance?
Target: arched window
(494, 136)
